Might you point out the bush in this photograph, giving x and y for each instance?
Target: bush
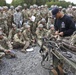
(59, 3)
(2, 2)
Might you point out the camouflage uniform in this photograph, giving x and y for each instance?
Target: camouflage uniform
(28, 37)
(73, 40)
(10, 17)
(3, 21)
(18, 18)
(74, 14)
(18, 41)
(25, 14)
(40, 34)
(5, 14)
(12, 32)
(5, 44)
(43, 22)
(51, 32)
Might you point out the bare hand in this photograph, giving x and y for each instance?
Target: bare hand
(57, 32)
(61, 33)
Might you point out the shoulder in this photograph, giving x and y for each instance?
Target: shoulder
(66, 17)
(45, 30)
(24, 31)
(15, 35)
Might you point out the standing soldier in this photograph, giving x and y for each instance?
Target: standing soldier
(74, 14)
(69, 11)
(38, 15)
(10, 17)
(18, 18)
(3, 21)
(5, 13)
(25, 13)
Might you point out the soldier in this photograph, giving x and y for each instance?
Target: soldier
(51, 32)
(10, 17)
(2, 18)
(5, 45)
(74, 14)
(25, 13)
(69, 11)
(43, 22)
(18, 18)
(5, 15)
(44, 12)
(50, 20)
(73, 40)
(38, 15)
(12, 32)
(40, 32)
(28, 37)
(18, 41)
(33, 25)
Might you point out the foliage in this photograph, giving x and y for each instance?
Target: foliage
(59, 3)
(38, 2)
(2, 2)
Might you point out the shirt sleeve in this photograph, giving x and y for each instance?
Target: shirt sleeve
(71, 27)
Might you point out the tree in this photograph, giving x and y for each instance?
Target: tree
(59, 3)
(17, 2)
(2, 2)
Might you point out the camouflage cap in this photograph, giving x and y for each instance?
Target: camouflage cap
(13, 25)
(31, 7)
(42, 6)
(60, 7)
(24, 24)
(39, 7)
(11, 7)
(27, 26)
(19, 30)
(25, 5)
(35, 6)
(40, 25)
(46, 5)
(70, 6)
(17, 8)
(43, 20)
(5, 7)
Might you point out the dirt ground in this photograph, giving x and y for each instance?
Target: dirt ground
(24, 64)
